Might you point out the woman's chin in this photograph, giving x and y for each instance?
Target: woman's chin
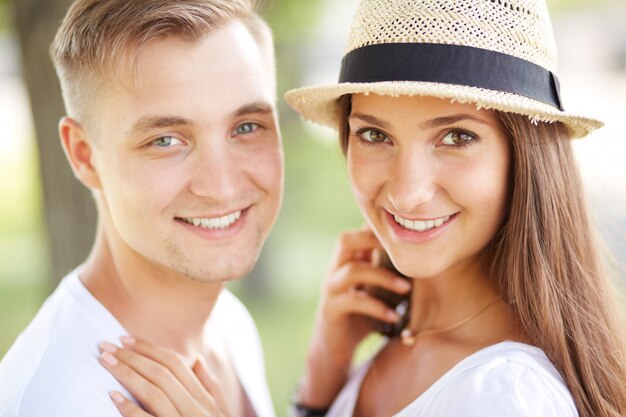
(418, 270)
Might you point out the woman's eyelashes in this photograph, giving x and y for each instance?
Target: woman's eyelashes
(369, 136)
(459, 138)
(453, 138)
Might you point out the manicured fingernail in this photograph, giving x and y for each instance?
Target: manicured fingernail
(109, 359)
(127, 340)
(107, 347)
(116, 396)
(402, 284)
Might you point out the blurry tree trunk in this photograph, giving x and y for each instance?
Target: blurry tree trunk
(69, 209)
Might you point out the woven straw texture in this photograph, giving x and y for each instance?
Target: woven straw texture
(519, 28)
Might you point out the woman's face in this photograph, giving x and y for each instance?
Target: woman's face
(430, 177)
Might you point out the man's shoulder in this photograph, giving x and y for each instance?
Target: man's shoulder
(53, 365)
(236, 322)
(230, 311)
(245, 348)
(64, 388)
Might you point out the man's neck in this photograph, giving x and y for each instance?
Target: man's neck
(151, 301)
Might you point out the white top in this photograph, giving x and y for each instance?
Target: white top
(508, 379)
(52, 369)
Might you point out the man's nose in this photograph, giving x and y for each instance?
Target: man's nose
(412, 180)
(216, 174)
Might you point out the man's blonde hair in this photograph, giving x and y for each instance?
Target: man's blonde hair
(100, 40)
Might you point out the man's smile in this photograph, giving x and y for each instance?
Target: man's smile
(222, 222)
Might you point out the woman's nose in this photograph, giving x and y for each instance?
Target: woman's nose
(412, 181)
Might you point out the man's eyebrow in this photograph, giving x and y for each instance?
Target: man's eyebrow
(148, 123)
(153, 122)
(370, 119)
(449, 120)
(258, 107)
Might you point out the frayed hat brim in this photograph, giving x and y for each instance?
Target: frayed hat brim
(319, 104)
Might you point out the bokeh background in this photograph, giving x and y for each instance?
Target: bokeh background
(46, 219)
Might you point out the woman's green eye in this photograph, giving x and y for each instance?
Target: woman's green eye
(456, 138)
(166, 141)
(374, 136)
(246, 128)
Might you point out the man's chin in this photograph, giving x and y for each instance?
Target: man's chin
(225, 271)
(226, 264)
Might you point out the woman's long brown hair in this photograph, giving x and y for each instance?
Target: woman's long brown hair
(546, 264)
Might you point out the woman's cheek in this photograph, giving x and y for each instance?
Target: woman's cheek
(364, 179)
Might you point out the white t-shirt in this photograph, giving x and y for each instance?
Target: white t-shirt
(508, 379)
(52, 369)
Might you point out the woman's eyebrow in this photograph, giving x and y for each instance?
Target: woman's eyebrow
(428, 124)
(449, 120)
(370, 119)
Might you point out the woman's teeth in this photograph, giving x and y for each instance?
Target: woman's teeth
(223, 222)
(420, 225)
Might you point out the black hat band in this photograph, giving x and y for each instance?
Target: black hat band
(450, 64)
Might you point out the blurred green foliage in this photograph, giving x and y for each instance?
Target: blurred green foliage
(291, 20)
(563, 5)
(4, 15)
(18, 303)
(285, 326)
(22, 216)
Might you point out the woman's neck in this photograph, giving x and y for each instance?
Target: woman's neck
(450, 298)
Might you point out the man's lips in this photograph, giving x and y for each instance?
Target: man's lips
(214, 222)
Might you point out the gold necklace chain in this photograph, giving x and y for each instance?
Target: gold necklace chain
(409, 338)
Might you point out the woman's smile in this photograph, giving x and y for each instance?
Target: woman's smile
(421, 225)
(419, 231)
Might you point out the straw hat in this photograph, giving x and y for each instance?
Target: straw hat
(498, 54)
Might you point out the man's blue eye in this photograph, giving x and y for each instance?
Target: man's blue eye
(166, 141)
(246, 128)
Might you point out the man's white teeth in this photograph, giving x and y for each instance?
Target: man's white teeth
(420, 225)
(216, 222)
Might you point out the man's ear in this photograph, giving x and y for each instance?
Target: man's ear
(78, 151)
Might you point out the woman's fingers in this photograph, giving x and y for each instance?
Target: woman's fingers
(362, 303)
(161, 378)
(357, 274)
(149, 394)
(126, 407)
(351, 268)
(210, 382)
(175, 364)
(353, 245)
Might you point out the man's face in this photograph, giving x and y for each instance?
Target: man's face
(190, 158)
